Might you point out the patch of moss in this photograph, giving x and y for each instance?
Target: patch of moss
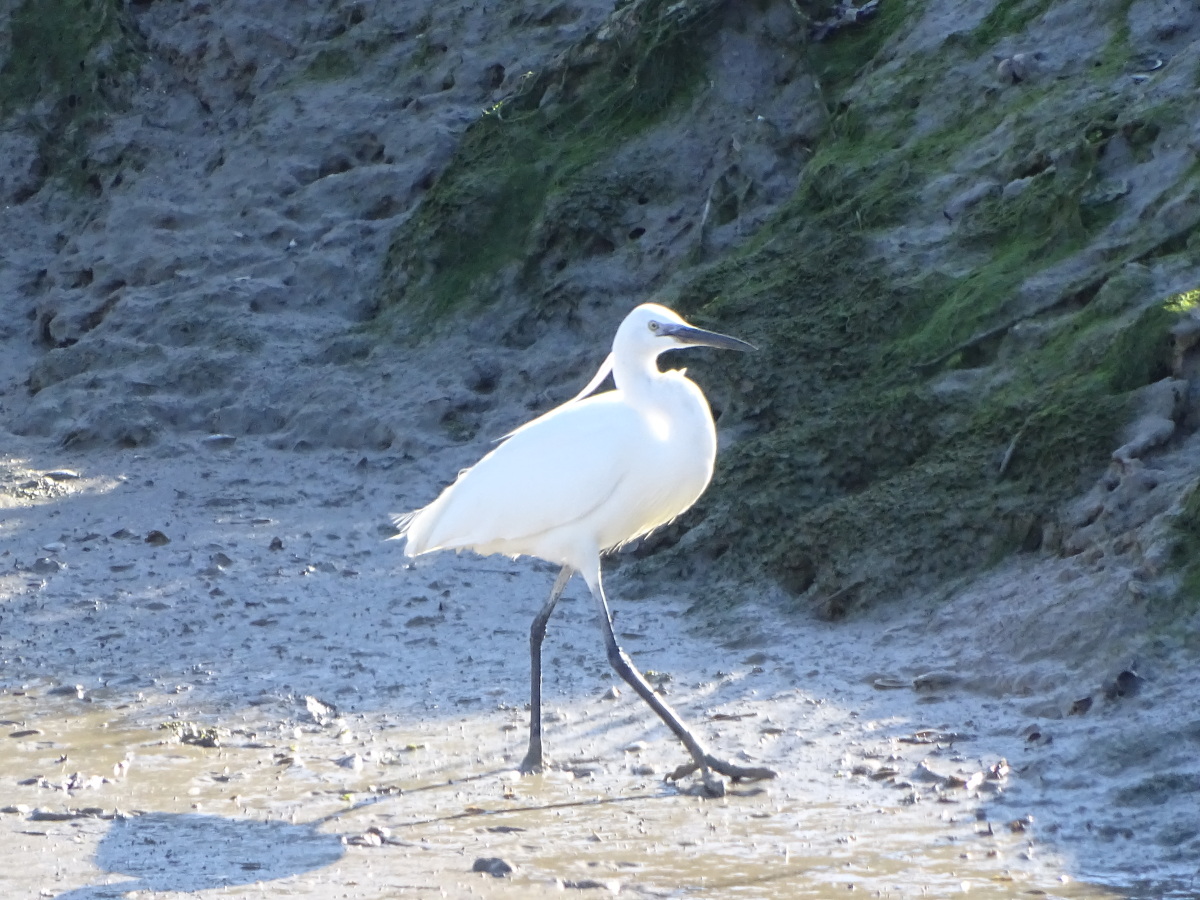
(1141, 352)
(1006, 17)
(74, 57)
(836, 62)
(331, 64)
(480, 217)
(863, 475)
(1185, 554)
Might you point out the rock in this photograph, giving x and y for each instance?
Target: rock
(926, 773)
(965, 200)
(935, 680)
(320, 712)
(492, 865)
(45, 565)
(1127, 684)
(1017, 68)
(354, 762)
(1158, 404)
(156, 539)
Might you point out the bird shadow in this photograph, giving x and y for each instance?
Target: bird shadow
(190, 852)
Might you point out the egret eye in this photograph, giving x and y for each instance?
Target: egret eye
(654, 326)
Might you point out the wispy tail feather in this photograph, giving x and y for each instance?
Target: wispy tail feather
(402, 521)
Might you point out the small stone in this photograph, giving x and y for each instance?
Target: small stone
(999, 771)
(1016, 68)
(1127, 684)
(218, 441)
(1019, 825)
(370, 838)
(62, 475)
(322, 713)
(157, 538)
(354, 762)
(276, 544)
(1080, 706)
(934, 680)
(45, 565)
(925, 772)
(492, 865)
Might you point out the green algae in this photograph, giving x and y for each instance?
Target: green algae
(536, 152)
(1185, 550)
(70, 60)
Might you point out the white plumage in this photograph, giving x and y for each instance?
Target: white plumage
(593, 474)
(590, 475)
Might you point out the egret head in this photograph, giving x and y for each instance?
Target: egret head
(652, 329)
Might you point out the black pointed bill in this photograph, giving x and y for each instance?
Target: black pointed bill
(698, 337)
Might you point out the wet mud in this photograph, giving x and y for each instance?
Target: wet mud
(268, 699)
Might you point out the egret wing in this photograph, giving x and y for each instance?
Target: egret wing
(548, 474)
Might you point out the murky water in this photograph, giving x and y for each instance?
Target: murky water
(105, 802)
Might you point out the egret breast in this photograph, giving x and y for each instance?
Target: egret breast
(673, 463)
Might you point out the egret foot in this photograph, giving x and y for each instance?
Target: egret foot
(728, 769)
(532, 764)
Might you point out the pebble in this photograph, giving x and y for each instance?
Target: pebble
(353, 762)
(492, 865)
(44, 565)
(934, 680)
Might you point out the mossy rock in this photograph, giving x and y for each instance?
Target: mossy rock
(70, 64)
(1185, 552)
(485, 214)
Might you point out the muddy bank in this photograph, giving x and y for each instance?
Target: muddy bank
(265, 694)
(923, 586)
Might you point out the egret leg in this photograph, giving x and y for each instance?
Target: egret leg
(701, 758)
(537, 633)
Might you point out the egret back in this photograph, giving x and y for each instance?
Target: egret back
(584, 478)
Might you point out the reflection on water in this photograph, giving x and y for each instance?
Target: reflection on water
(273, 804)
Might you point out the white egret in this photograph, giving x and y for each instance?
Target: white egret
(585, 478)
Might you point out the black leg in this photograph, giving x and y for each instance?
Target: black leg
(701, 758)
(537, 633)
